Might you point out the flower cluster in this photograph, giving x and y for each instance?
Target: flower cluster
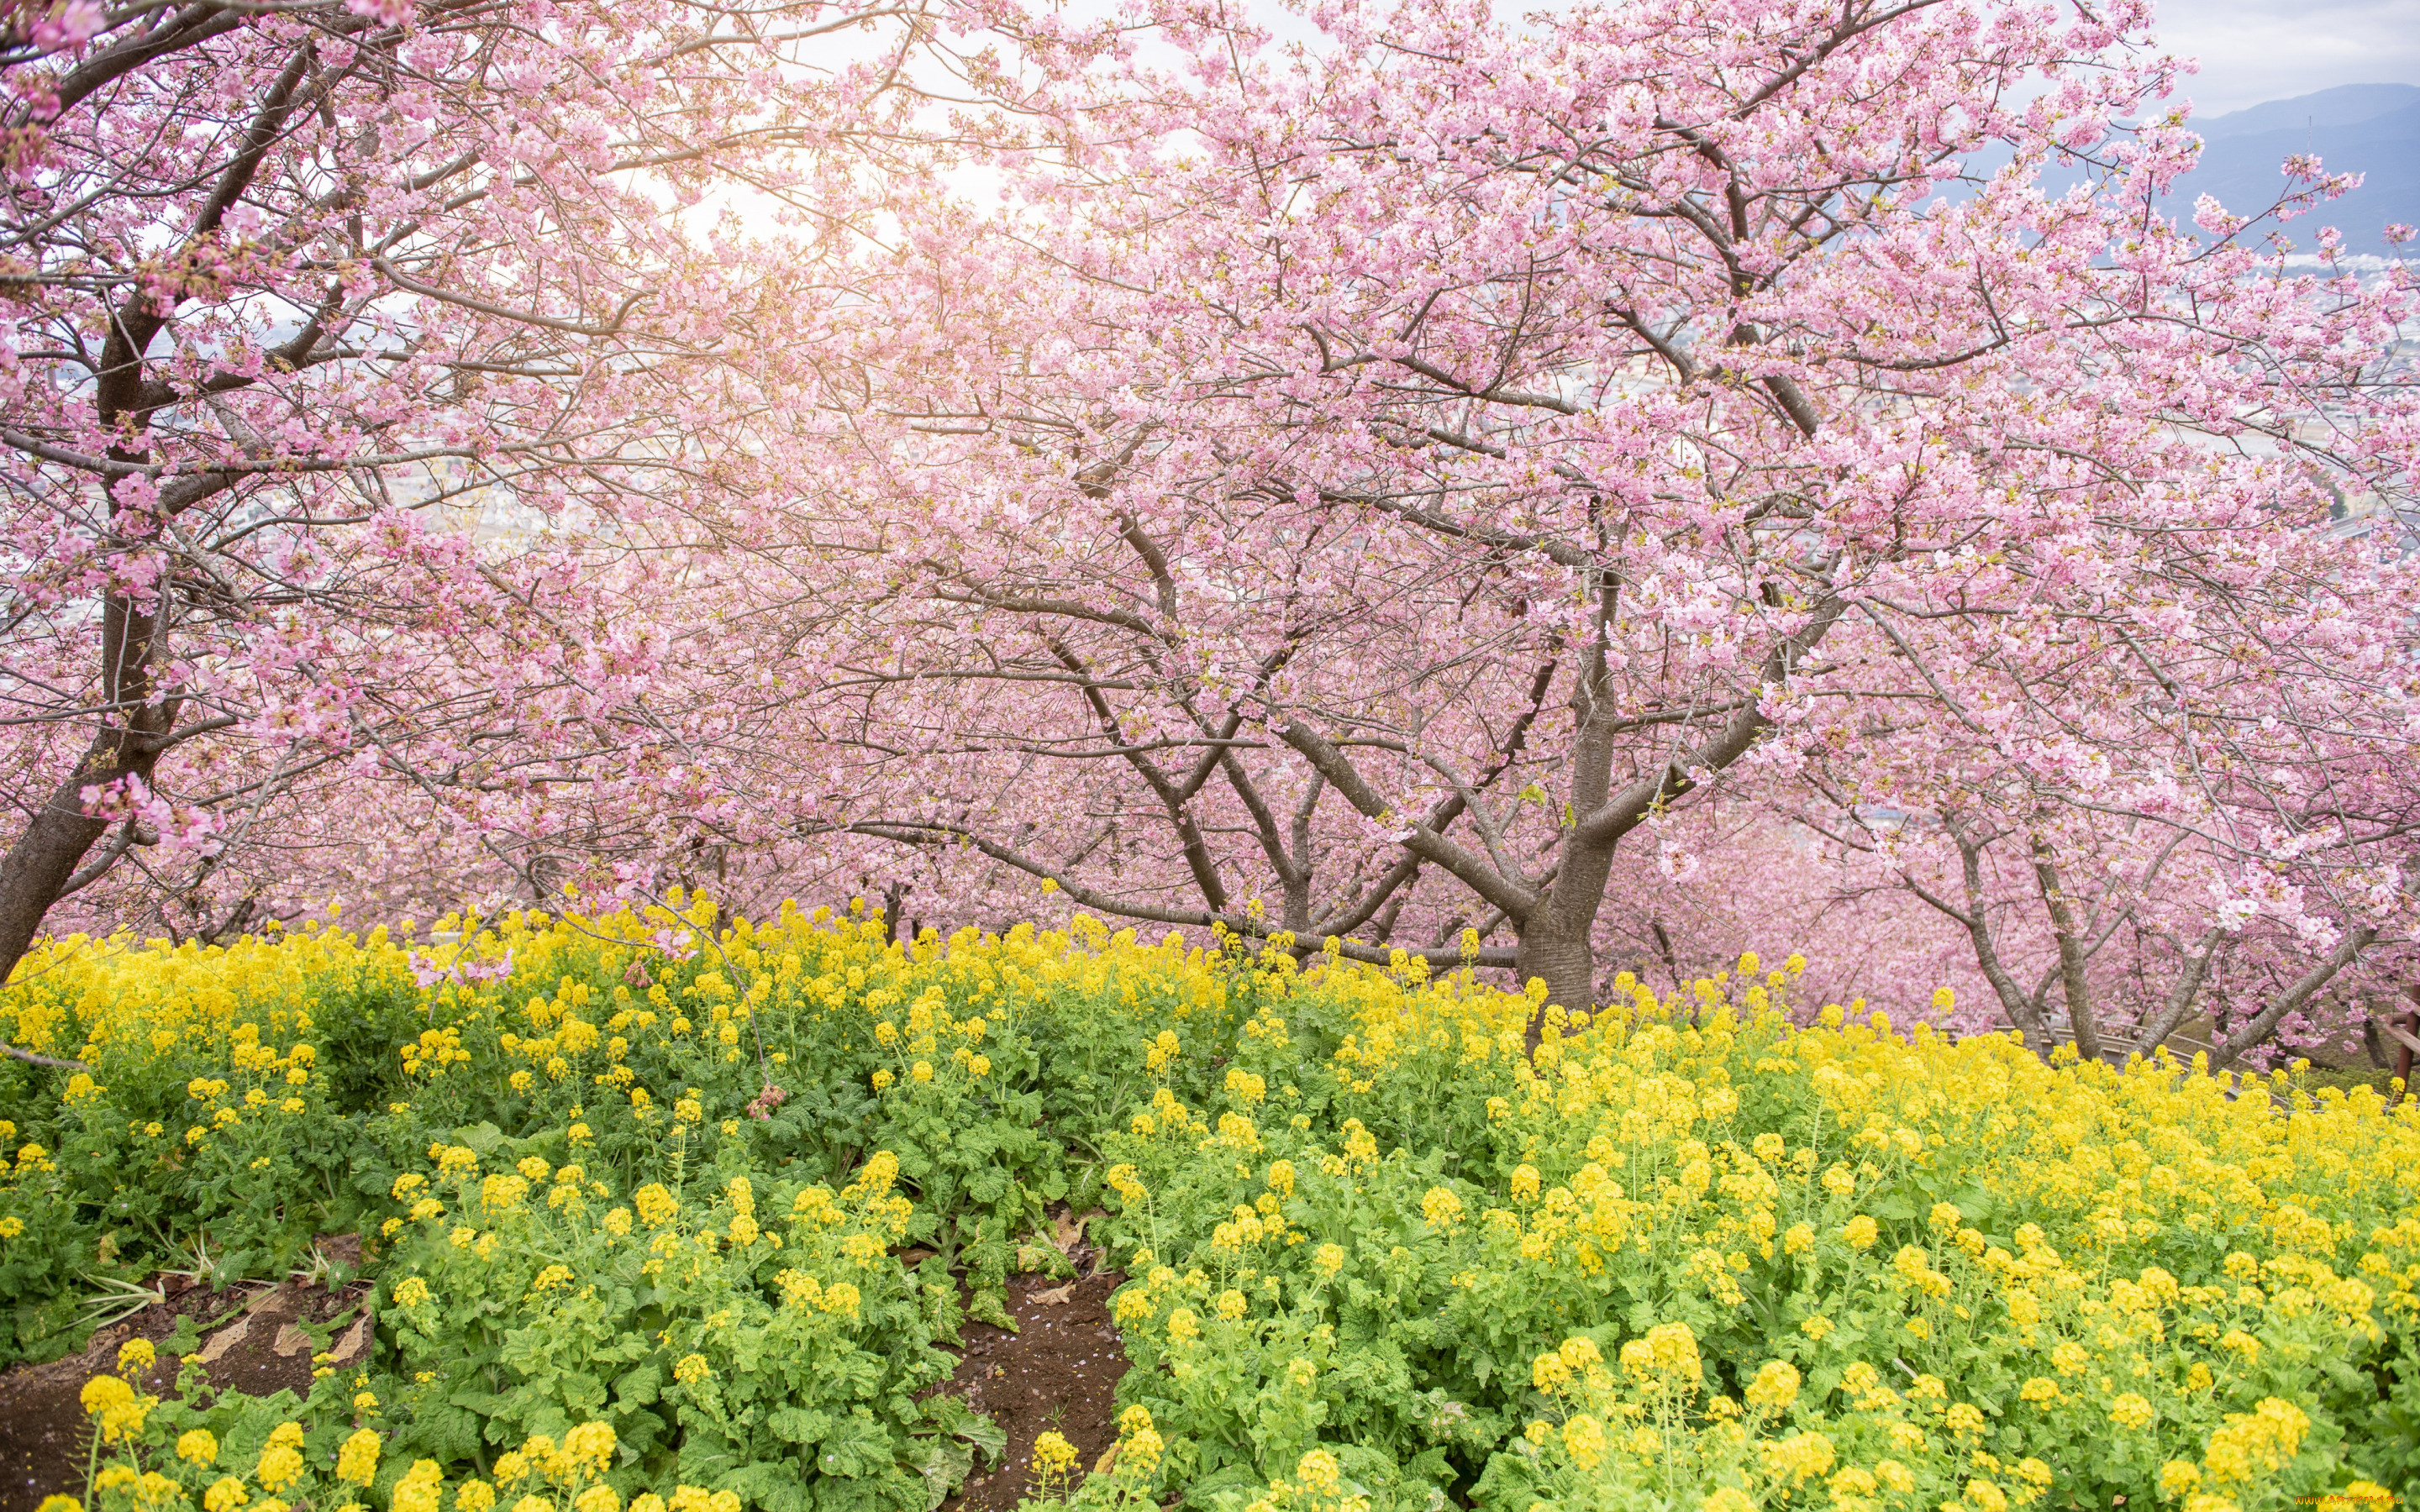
(1685, 1255)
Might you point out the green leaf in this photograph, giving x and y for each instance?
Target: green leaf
(789, 1494)
(636, 1388)
(952, 1416)
(483, 1138)
(797, 1424)
(855, 1447)
(1239, 1475)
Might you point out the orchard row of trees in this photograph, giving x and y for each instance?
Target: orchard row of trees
(1562, 497)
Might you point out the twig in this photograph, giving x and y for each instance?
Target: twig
(43, 1060)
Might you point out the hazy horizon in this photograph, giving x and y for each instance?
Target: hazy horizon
(2257, 50)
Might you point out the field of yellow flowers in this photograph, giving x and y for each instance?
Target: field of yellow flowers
(642, 1193)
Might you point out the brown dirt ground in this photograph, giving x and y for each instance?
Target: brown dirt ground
(1058, 1373)
(257, 1347)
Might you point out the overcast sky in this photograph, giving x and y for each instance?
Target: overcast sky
(2256, 50)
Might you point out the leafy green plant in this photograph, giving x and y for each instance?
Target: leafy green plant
(680, 1185)
(758, 1338)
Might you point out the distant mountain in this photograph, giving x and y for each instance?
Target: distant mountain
(2345, 105)
(2373, 129)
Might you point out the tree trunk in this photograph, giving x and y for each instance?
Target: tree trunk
(1558, 938)
(2403, 1050)
(1553, 953)
(2264, 1022)
(1554, 918)
(43, 861)
(46, 854)
(2073, 983)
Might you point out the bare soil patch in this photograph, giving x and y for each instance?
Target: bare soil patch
(1058, 1373)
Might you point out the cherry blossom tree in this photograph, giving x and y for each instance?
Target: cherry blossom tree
(2181, 807)
(1560, 498)
(371, 373)
(1396, 475)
